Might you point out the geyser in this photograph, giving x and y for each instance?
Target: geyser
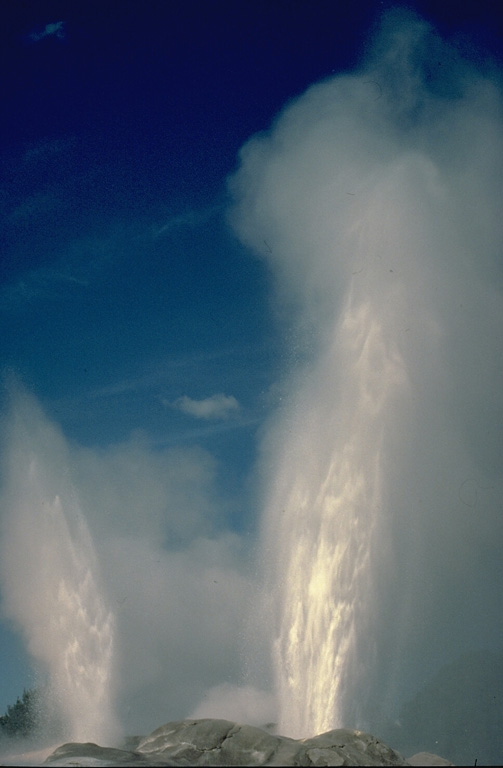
(326, 504)
(378, 197)
(50, 576)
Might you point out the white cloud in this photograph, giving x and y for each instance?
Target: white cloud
(217, 406)
(56, 29)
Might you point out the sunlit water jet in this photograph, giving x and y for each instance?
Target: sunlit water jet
(50, 578)
(325, 505)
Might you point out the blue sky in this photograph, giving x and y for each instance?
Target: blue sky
(129, 308)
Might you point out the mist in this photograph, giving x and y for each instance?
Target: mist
(375, 200)
(121, 578)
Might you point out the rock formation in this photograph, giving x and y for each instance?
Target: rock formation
(221, 742)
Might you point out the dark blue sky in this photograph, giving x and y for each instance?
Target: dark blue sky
(128, 118)
(120, 128)
(122, 288)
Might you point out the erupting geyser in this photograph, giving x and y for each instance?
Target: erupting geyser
(50, 576)
(376, 199)
(328, 501)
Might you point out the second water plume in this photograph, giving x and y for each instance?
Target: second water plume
(378, 196)
(50, 576)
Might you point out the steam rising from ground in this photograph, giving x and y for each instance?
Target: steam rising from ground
(118, 571)
(51, 578)
(376, 198)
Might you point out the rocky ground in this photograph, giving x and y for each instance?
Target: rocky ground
(221, 742)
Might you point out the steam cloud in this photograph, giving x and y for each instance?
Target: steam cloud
(118, 572)
(50, 576)
(376, 199)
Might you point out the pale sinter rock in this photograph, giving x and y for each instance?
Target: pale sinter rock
(222, 742)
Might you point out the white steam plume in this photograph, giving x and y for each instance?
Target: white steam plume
(379, 195)
(118, 571)
(50, 576)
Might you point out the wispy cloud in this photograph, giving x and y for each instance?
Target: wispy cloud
(217, 406)
(188, 219)
(39, 283)
(39, 205)
(55, 29)
(163, 371)
(80, 263)
(47, 149)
